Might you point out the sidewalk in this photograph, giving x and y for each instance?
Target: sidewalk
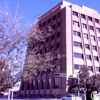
(30, 99)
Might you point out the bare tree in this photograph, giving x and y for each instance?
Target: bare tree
(15, 40)
(12, 46)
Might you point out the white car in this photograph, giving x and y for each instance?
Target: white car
(71, 97)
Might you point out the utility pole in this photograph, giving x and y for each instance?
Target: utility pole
(78, 85)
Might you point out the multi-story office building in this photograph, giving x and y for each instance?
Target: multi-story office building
(76, 34)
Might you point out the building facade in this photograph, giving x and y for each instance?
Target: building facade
(76, 34)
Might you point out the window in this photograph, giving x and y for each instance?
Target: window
(58, 44)
(77, 66)
(76, 23)
(91, 28)
(46, 49)
(88, 57)
(75, 13)
(56, 82)
(82, 16)
(58, 34)
(92, 37)
(38, 85)
(76, 33)
(98, 38)
(42, 42)
(78, 55)
(96, 20)
(47, 39)
(54, 17)
(84, 26)
(94, 48)
(48, 21)
(86, 46)
(59, 14)
(58, 68)
(44, 24)
(96, 58)
(53, 27)
(52, 37)
(90, 18)
(98, 30)
(58, 24)
(48, 83)
(77, 44)
(40, 51)
(43, 84)
(85, 36)
(52, 47)
(97, 69)
(90, 68)
(33, 84)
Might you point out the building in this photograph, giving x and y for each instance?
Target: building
(76, 34)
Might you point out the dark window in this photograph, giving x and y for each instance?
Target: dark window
(85, 36)
(76, 23)
(48, 21)
(42, 42)
(52, 37)
(52, 47)
(40, 51)
(76, 33)
(98, 30)
(90, 18)
(78, 55)
(47, 39)
(97, 69)
(98, 38)
(91, 28)
(86, 46)
(58, 44)
(77, 44)
(82, 16)
(59, 14)
(58, 34)
(90, 68)
(44, 24)
(56, 82)
(92, 37)
(77, 66)
(94, 47)
(84, 26)
(75, 13)
(95, 58)
(53, 27)
(43, 84)
(58, 24)
(88, 57)
(54, 17)
(96, 20)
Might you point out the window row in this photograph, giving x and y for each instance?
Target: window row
(75, 23)
(79, 55)
(84, 17)
(78, 44)
(86, 36)
(50, 19)
(52, 47)
(90, 68)
(44, 84)
(52, 38)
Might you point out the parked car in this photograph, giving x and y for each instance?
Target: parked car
(71, 97)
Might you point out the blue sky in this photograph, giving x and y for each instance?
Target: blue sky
(32, 7)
